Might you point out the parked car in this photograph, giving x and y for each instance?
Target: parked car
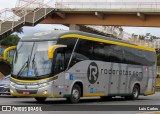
(5, 85)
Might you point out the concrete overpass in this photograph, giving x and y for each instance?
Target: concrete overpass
(146, 14)
(79, 14)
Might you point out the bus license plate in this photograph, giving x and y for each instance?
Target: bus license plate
(25, 92)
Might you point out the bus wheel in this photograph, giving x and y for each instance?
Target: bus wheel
(135, 93)
(40, 99)
(75, 94)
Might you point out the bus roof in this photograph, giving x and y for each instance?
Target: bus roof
(56, 34)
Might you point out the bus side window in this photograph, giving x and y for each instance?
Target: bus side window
(128, 56)
(140, 57)
(77, 57)
(150, 58)
(70, 42)
(99, 52)
(85, 48)
(115, 53)
(82, 52)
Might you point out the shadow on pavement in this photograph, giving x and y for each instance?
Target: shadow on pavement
(82, 101)
(9, 96)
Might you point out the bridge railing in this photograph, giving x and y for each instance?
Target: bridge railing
(19, 11)
(28, 3)
(19, 14)
(44, 9)
(110, 5)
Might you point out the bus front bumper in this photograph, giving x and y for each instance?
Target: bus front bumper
(31, 90)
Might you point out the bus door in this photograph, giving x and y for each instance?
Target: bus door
(58, 65)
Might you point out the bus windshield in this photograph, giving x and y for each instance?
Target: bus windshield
(31, 59)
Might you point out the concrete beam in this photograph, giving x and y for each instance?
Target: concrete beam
(111, 20)
(99, 15)
(62, 15)
(141, 15)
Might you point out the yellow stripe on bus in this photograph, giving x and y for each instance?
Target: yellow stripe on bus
(31, 95)
(35, 95)
(93, 95)
(150, 92)
(33, 80)
(107, 41)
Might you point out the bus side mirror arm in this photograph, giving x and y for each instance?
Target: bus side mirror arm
(52, 50)
(6, 51)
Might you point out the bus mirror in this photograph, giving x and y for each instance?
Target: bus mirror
(6, 51)
(52, 50)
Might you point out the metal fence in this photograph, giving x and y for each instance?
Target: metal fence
(104, 4)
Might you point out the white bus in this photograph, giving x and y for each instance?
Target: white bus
(74, 64)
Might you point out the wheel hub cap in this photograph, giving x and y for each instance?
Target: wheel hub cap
(135, 92)
(75, 94)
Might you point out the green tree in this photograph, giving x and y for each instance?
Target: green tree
(141, 37)
(134, 36)
(148, 34)
(11, 40)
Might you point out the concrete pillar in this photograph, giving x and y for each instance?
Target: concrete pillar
(74, 27)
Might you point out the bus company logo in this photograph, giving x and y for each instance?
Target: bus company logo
(92, 72)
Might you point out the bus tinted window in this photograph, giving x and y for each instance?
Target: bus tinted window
(115, 54)
(70, 42)
(99, 52)
(91, 50)
(150, 57)
(82, 52)
(128, 56)
(85, 48)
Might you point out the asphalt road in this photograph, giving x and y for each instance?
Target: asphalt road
(87, 105)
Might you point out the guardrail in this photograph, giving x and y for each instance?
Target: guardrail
(109, 5)
(19, 16)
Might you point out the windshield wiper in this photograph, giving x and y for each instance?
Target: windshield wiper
(34, 66)
(24, 66)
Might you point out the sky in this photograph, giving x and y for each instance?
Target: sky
(41, 27)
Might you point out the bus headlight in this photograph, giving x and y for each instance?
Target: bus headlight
(12, 84)
(45, 92)
(11, 92)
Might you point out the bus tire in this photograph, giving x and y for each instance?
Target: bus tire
(40, 99)
(75, 94)
(135, 93)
